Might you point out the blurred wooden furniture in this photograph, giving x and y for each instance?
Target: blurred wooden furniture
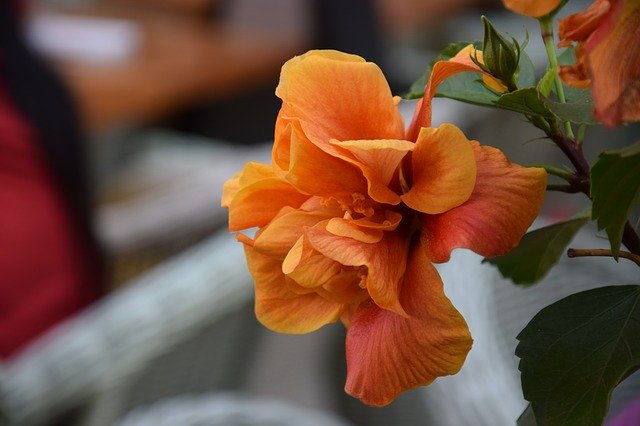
(183, 59)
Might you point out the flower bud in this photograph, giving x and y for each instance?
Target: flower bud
(500, 57)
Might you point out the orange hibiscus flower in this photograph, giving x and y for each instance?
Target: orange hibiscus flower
(532, 8)
(353, 211)
(607, 57)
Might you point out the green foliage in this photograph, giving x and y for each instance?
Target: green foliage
(578, 107)
(537, 252)
(615, 189)
(574, 352)
(526, 101)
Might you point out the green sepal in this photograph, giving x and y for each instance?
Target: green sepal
(500, 57)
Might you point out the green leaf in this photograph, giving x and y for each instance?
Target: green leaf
(526, 71)
(527, 418)
(577, 109)
(537, 252)
(615, 189)
(467, 87)
(574, 352)
(526, 101)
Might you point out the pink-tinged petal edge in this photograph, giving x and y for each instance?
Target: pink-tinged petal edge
(504, 203)
(388, 354)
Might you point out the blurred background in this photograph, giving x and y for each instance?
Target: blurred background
(122, 298)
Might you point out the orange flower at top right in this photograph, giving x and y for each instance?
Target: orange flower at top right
(607, 57)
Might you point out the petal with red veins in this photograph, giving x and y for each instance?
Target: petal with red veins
(388, 354)
(505, 201)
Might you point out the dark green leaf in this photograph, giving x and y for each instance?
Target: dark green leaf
(537, 252)
(467, 87)
(526, 101)
(574, 352)
(577, 109)
(527, 418)
(615, 189)
(526, 71)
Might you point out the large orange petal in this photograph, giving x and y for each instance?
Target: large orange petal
(338, 96)
(279, 236)
(388, 354)
(280, 309)
(256, 196)
(444, 170)
(385, 261)
(505, 201)
(378, 160)
(532, 8)
(442, 70)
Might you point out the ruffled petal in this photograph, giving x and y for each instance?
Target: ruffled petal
(279, 236)
(388, 354)
(613, 52)
(442, 70)
(385, 262)
(338, 96)
(256, 195)
(281, 309)
(444, 170)
(532, 8)
(308, 267)
(378, 160)
(315, 172)
(505, 201)
(579, 26)
(608, 57)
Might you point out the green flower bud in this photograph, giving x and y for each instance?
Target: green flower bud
(501, 57)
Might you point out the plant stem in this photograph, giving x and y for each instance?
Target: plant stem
(546, 30)
(557, 171)
(630, 239)
(572, 252)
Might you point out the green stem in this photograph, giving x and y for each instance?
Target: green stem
(546, 30)
(557, 171)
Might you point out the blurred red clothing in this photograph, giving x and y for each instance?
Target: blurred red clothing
(44, 275)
